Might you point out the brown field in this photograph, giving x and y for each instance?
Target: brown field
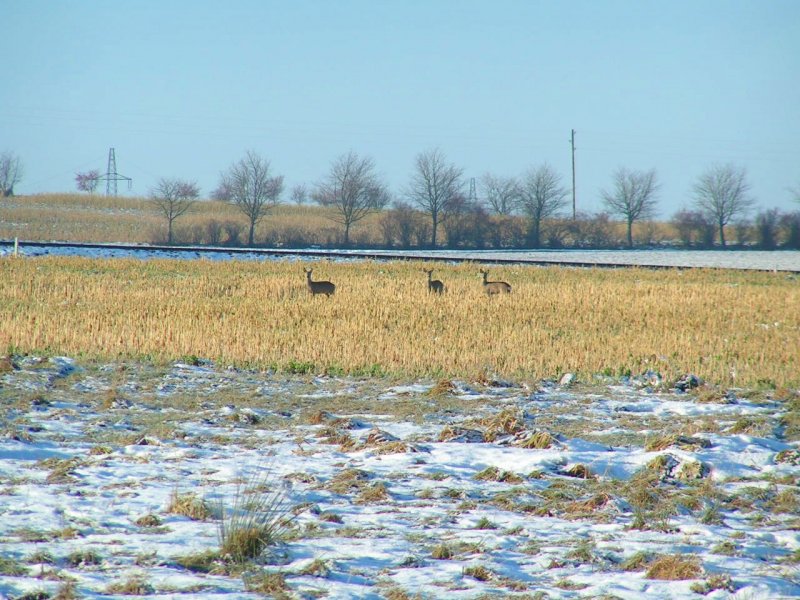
(96, 218)
(732, 328)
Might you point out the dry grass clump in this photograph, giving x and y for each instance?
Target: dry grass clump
(208, 561)
(376, 492)
(675, 567)
(82, 558)
(331, 435)
(268, 583)
(11, 568)
(441, 388)
(580, 471)
(398, 447)
(720, 581)
(790, 420)
(346, 480)
(150, 520)
(496, 474)
(478, 572)
(588, 508)
(260, 516)
(684, 442)
(507, 422)
(7, 364)
(786, 501)
(189, 505)
(536, 440)
(455, 433)
(135, 585)
(637, 561)
(704, 321)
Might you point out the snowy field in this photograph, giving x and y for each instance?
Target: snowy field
(727, 259)
(397, 489)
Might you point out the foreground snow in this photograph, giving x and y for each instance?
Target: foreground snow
(383, 476)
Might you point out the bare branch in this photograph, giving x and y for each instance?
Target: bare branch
(249, 185)
(299, 194)
(502, 193)
(633, 196)
(173, 198)
(434, 185)
(353, 189)
(722, 193)
(10, 173)
(541, 196)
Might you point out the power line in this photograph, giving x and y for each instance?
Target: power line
(112, 177)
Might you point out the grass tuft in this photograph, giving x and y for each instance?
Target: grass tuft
(675, 567)
(189, 505)
(260, 516)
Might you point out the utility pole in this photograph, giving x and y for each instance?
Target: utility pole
(112, 177)
(572, 143)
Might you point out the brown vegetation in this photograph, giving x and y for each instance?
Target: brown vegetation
(729, 327)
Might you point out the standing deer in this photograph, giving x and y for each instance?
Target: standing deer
(319, 287)
(434, 285)
(494, 287)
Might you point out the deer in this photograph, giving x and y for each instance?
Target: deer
(319, 287)
(434, 285)
(494, 287)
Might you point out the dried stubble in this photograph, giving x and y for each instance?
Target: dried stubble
(97, 218)
(729, 327)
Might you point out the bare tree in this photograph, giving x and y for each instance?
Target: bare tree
(633, 197)
(541, 196)
(10, 173)
(721, 193)
(173, 198)
(502, 193)
(434, 185)
(88, 181)
(299, 194)
(249, 185)
(352, 189)
(795, 192)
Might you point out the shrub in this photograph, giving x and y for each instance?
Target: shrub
(189, 505)
(135, 585)
(259, 516)
(675, 567)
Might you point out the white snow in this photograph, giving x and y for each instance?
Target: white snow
(129, 457)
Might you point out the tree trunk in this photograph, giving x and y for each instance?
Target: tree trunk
(534, 234)
(722, 234)
(251, 236)
(346, 234)
(630, 233)
(169, 232)
(435, 220)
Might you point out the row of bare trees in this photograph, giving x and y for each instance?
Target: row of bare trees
(436, 189)
(353, 189)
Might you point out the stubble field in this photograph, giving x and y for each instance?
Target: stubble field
(730, 328)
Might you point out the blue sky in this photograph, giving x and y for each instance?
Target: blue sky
(185, 88)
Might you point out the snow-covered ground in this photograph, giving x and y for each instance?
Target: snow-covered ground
(717, 259)
(442, 489)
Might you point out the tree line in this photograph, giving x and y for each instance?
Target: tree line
(524, 211)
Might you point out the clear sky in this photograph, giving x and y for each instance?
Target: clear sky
(183, 88)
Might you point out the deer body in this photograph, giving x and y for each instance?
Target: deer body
(434, 285)
(494, 287)
(319, 287)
